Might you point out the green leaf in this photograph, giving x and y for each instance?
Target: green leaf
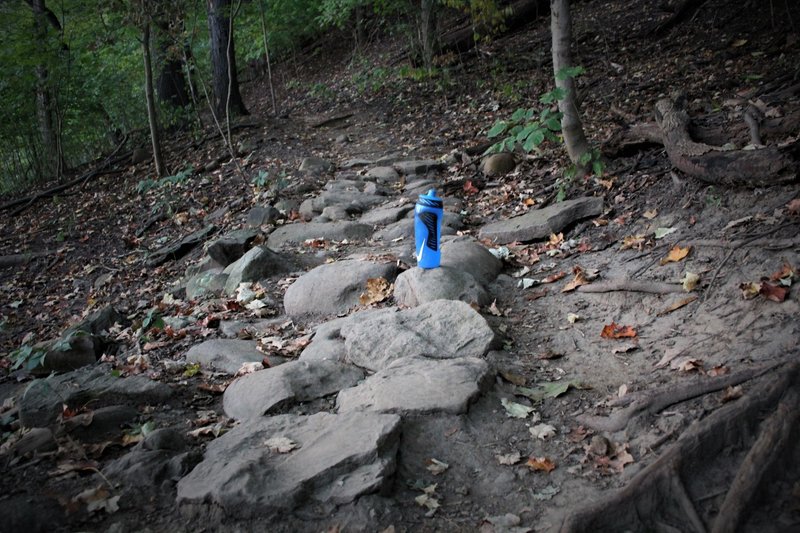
(548, 389)
(516, 410)
(509, 144)
(597, 168)
(526, 131)
(553, 123)
(585, 158)
(569, 72)
(660, 233)
(518, 115)
(534, 139)
(553, 96)
(515, 130)
(498, 128)
(191, 370)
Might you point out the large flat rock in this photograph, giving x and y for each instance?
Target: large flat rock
(227, 355)
(334, 287)
(263, 392)
(336, 459)
(467, 254)
(540, 223)
(442, 329)
(258, 263)
(332, 231)
(418, 385)
(42, 401)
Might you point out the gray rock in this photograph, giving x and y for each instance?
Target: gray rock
(307, 210)
(259, 263)
(417, 386)
(260, 215)
(540, 223)
(383, 174)
(334, 287)
(208, 284)
(356, 163)
(467, 254)
(332, 231)
(34, 441)
(415, 167)
(404, 229)
(74, 350)
(498, 164)
(336, 459)
(232, 246)
(204, 264)
(98, 322)
(179, 248)
(315, 165)
(386, 214)
(42, 401)
(227, 355)
(443, 329)
(104, 423)
(33, 513)
(266, 391)
(336, 212)
(158, 460)
(417, 187)
(286, 206)
(417, 285)
(327, 344)
(237, 328)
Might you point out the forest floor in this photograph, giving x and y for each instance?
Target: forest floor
(678, 360)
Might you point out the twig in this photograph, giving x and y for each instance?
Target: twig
(679, 492)
(652, 287)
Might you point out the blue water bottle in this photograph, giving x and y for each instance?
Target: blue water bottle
(428, 229)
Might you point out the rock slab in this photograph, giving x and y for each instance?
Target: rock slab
(258, 263)
(227, 355)
(540, 223)
(263, 392)
(417, 286)
(334, 459)
(417, 386)
(332, 231)
(442, 329)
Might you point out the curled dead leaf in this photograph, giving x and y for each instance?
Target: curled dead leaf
(750, 290)
(732, 393)
(676, 254)
(378, 290)
(616, 331)
(773, 292)
(541, 464)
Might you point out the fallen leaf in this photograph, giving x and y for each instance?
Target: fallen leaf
(98, 499)
(650, 215)
(542, 464)
(542, 431)
(633, 241)
(516, 379)
(578, 434)
(153, 345)
(773, 292)
(622, 391)
(546, 493)
(793, 207)
(677, 305)
(732, 393)
(572, 318)
(429, 502)
(556, 239)
(535, 295)
(718, 371)
(436, 466)
(280, 444)
(737, 222)
(608, 184)
(554, 277)
(624, 348)
(738, 43)
(527, 283)
(690, 281)
(191, 370)
(785, 275)
(214, 388)
(660, 233)
(509, 458)
(469, 188)
(616, 331)
(249, 368)
(750, 290)
(686, 364)
(675, 254)
(579, 279)
(620, 458)
(494, 310)
(549, 355)
(669, 355)
(210, 430)
(551, 389)
(378, 290)
(516, 410)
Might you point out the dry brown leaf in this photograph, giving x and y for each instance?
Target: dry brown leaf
(785, 275)
(773, 292)
(535, 295)
(556, 239)
(494, 310)
(633, 241)
(750, 290)
(378, 290)
(677, 305)
(554, 277)
(732, 393)
(508, 458)
(793, 207)
(650, 215)
(516, 379)
(578, 434)
(616, 331)
(686, 364)
(676, 254)
(542, 464)
(718, 371)
(579, 279)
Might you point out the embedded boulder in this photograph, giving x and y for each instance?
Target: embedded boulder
(417, 285)
(232, 246)
(331, 231)
(227, 355)
(259, 263)
(467, 254)
(541, 223)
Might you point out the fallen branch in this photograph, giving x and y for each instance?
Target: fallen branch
(21, 259)
(651, 287)
(670, 395)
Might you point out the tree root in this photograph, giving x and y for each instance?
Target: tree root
(7, 261)
(671, 493)
(670, 395)
(651, 287)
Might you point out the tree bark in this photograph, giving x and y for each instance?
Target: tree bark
(571, 127)
(223, 60)
(426, 32)
(266, 53)
(151, 101)
(52, 155)
(755, 168)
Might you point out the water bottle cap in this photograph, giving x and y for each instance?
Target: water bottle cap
(430, 199)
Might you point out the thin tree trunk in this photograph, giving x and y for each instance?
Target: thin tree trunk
(571, 127)
(52, 159)
(223, 60)
(266, 51)
(151, 101)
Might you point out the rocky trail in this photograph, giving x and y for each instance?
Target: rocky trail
(267, 356)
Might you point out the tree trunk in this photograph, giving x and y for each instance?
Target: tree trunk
(426, 32)
(52, 163)
(266, 52)
(223, 60)
(571, 127)
(151, 101)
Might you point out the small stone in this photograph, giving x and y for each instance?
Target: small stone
(498, 164)
(315, 165)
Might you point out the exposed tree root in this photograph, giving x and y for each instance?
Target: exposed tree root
(21, 259)
(671, 494)
(670, 395)
(652, 287)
